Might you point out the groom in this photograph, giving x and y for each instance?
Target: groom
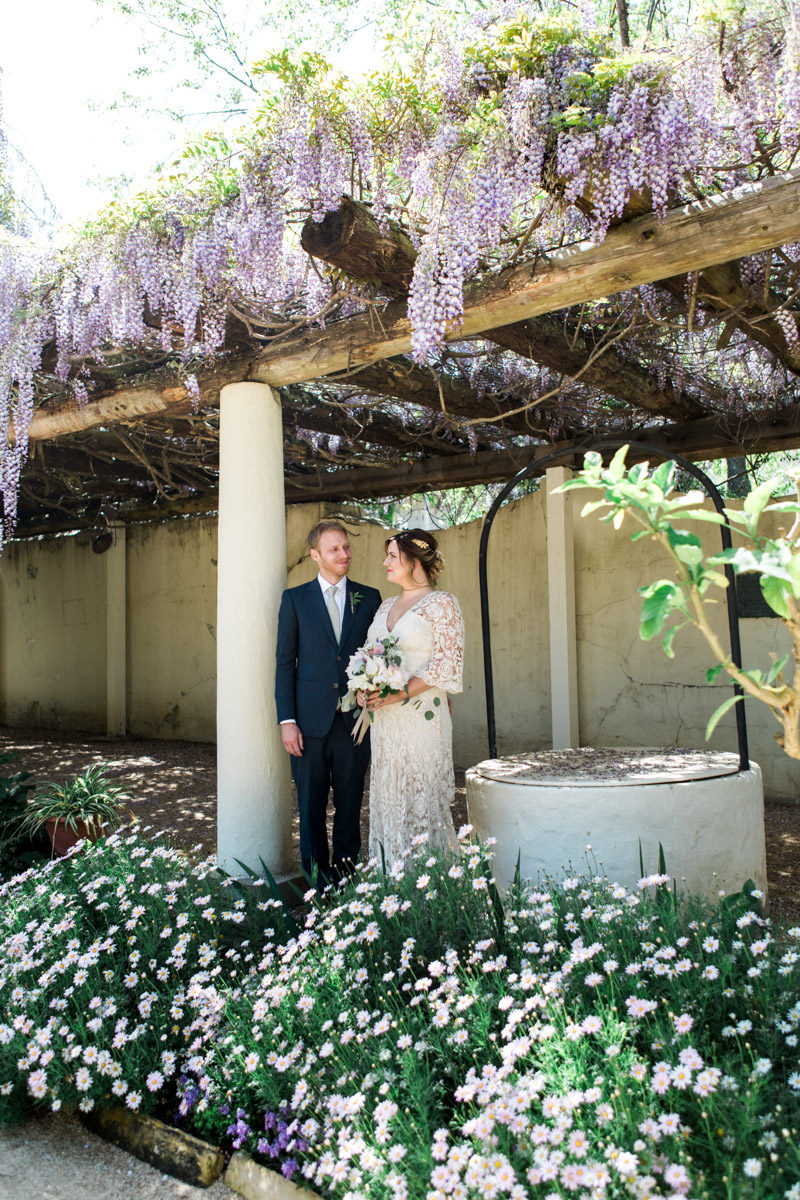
(320, 625)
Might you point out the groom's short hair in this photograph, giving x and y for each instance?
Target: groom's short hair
(316, 532)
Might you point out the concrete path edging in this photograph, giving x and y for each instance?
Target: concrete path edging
(254, 1182)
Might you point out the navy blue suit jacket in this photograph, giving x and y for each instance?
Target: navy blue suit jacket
(310, 669)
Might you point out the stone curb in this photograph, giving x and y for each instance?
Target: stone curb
(189, 1158)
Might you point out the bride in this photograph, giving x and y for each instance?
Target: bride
(411, 781)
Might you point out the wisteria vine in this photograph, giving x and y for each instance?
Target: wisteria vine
(516, 131)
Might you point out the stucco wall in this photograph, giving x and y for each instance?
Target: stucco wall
(172, 597)
(52, 635)
(52, 649)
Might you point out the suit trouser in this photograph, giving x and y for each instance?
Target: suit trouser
(333, 761)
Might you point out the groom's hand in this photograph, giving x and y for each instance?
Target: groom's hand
(292, 739)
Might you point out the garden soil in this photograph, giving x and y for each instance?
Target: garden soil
(173, 790)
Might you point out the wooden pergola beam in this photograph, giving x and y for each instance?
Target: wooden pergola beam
(351, 240)
(697, 440)
(735, 224)
(709, 438)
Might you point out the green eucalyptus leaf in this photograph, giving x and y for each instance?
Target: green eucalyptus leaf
(754, 502)
(715, 577)
(658, 603)
(776, 669)
(717, 716)
(687, 546)
(616, 468)
(742, 559)
(793, 570)
(692, 556)
(786, 506)
(664, 475)
(774, 592)
(686, 500)
(702, 514)
(592, 506)
(668, 639)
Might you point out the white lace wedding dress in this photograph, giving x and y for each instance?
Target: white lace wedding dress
(411, 779)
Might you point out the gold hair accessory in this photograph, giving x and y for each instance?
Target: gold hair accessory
(422, 545)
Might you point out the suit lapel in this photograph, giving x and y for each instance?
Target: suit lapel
(319, 608)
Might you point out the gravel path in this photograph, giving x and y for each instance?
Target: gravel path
(55, 1158)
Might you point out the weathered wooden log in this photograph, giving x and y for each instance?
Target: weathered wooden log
(253, 1182)
(134, 403)
(351, 239)
(169, 1149)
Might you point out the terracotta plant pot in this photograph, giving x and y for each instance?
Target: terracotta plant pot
(63, 838)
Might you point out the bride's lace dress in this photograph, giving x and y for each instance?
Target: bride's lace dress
(411, 779)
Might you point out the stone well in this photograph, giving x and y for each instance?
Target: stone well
(548, 807)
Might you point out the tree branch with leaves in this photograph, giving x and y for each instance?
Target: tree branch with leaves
(669, 605)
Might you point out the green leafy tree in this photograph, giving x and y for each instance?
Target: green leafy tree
(668, 605)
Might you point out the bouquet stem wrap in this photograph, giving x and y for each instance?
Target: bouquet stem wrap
(361, 726)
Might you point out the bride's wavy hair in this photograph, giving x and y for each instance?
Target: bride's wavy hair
(419, 545)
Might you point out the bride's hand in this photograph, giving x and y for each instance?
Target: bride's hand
(372, 700)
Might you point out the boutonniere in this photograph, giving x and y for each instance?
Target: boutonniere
(355, 600)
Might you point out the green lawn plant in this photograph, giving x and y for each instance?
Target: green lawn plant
(648, 499)
(89, 799)
(417, 1038)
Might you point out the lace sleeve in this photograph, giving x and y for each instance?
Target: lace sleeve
(447, 662)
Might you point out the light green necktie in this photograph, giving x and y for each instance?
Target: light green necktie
(333, 611)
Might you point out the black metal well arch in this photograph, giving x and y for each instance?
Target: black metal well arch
(537, 468)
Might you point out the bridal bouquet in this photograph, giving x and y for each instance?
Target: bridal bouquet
(375, 667)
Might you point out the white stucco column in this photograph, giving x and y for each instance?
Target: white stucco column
(253, 776)
(116, 634)
(561, 604)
